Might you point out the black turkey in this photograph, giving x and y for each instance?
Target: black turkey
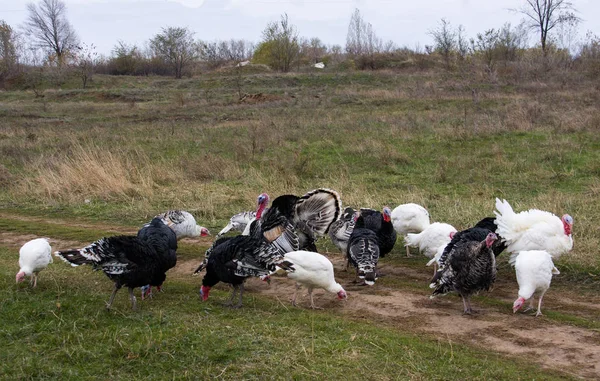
(363, 251)
(468, 268)
(381, 224)
(164, 240)
(126, 260)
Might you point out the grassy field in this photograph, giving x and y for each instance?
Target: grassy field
(105, 159)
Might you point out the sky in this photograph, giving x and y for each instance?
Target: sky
(406, 22)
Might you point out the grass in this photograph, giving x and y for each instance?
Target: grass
(110, 157)
(60, 330)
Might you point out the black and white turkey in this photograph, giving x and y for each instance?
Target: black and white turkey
(470, 267)
(238, 222)
(183, 224)
(127, 260)
(363, 251)
(164, 240)
(475, 233)
(381, 224)
(340, 230)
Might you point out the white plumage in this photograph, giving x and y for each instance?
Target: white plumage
(533, 230)
(313, 270)
(34, 256)
(431, 239)
(410, 218)
(238, 222)
(534, 270)
(183, 224)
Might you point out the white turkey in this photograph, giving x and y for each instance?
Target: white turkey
(469, 268)
(534, 270)
(533, 230)
(34, 256)
(340, 230)
(429, 241)
(183, 224)
(313, 270)
(238, 222)
(409, 218)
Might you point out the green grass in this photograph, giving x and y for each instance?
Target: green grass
(61, 330)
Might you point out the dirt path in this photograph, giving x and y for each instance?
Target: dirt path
(551, 344)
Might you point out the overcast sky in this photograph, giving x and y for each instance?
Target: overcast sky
(406, 22)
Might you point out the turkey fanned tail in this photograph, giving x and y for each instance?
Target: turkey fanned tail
(318, 209)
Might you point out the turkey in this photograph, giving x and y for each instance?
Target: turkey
(381, 224)
(238, 222)
(363, 251)
(429, 241)
(183, 224)
(409, 218)
(34, 256)
(533, 230)
(341, 230)
(470, 268)
(127, 260)
(534, 270)
(313, 270)
(164, 241)
(476, 233)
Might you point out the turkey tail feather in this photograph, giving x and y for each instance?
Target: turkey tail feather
(73, 257)
(319, 209)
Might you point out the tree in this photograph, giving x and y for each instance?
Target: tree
(544, 15)
(280, 47)
(511, 40)
(84, 61)
(8, 50)
(362, 43)
(485, 45)
(444, 41)
(48, 25)
(176, 47)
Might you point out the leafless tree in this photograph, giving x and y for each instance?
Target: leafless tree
(176, 47)
(84, 62)
(511, 40)
(544, 15)
(462, 44)
(445, 41)
(361, 41)
(48, 25)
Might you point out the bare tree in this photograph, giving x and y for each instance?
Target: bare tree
(362, 43)
(84, 61)
(545, 15)
(47, 23)
(176, 46)
(445, 41)
(462, 43)
(485, 45)
(511, 40)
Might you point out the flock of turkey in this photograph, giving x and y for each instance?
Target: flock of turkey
(282, 238)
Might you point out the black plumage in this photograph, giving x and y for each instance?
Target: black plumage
(126, 260)
(363, 251)
(164, 240)
(381, 224)
(470, 267)
(221, 267)
(476, 233)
